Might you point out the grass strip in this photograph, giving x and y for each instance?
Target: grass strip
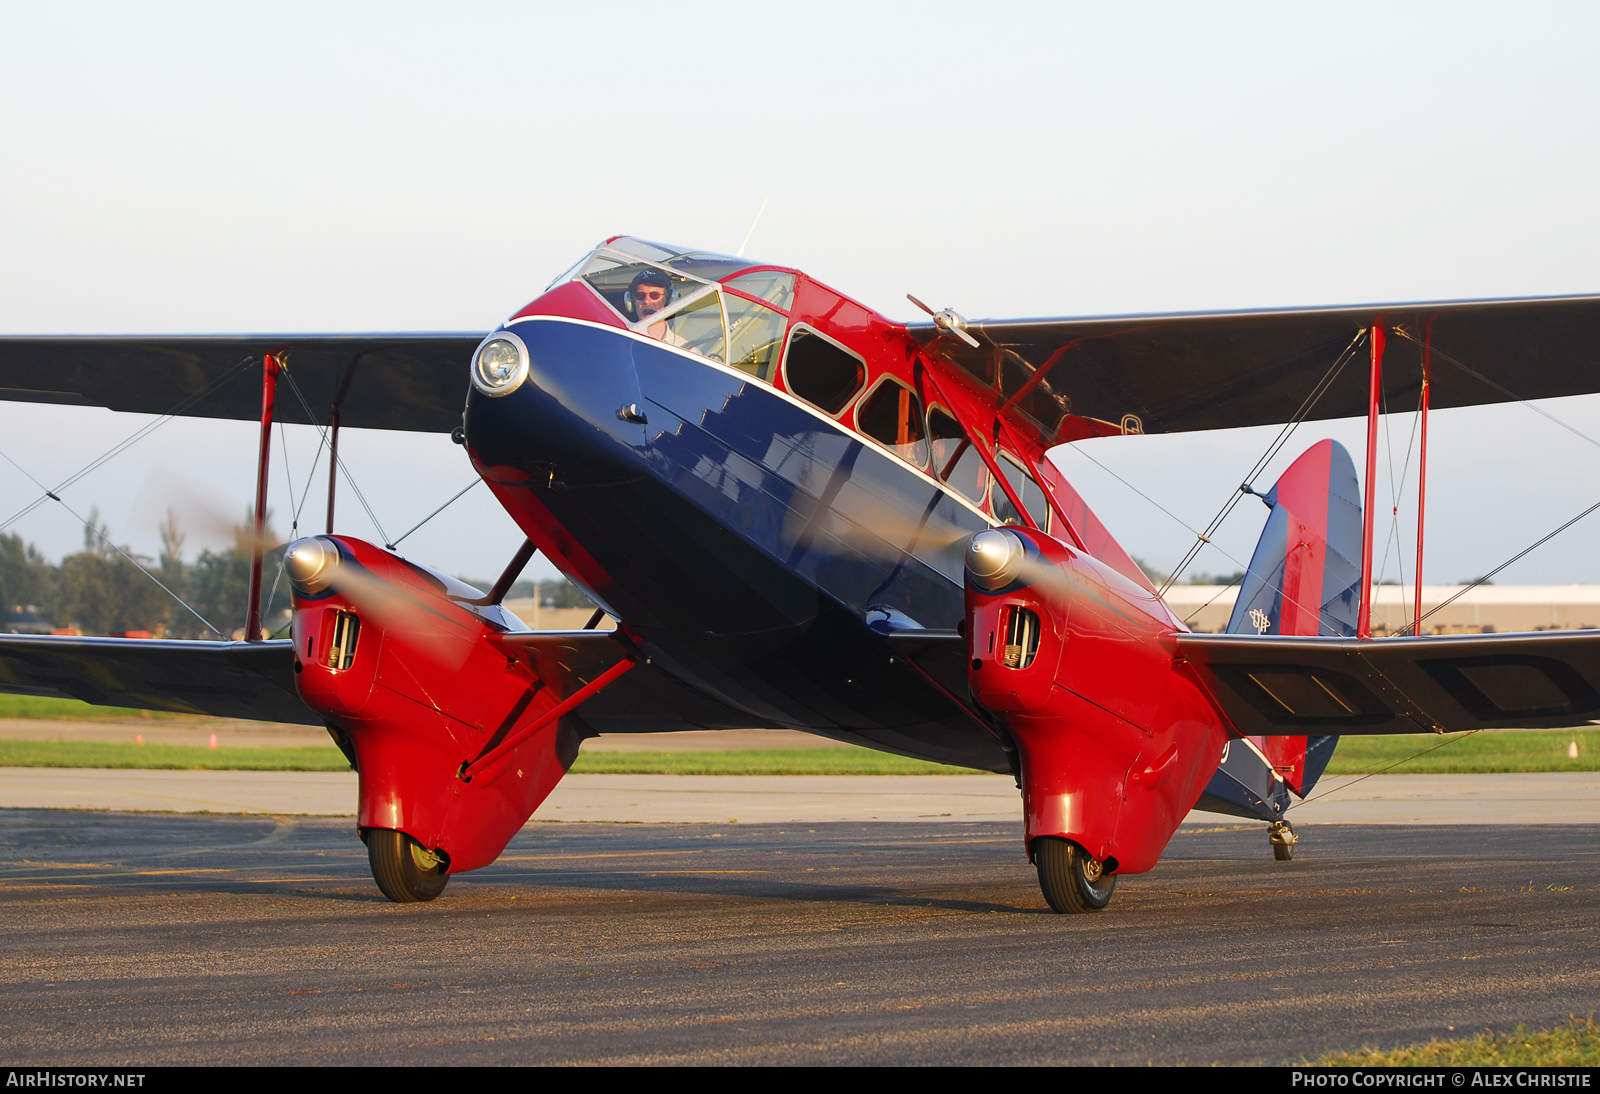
(1480, 754)
(15, 753)
(776, 761)
(1576, 1044)
(1483, 753)
(760, 761)
(70, 710)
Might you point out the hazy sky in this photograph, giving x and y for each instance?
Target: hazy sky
(391, 167)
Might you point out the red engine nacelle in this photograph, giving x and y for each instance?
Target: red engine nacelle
(1115, 736)
(422, 685)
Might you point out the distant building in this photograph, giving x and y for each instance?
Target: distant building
(25, 619)
(1486, 609)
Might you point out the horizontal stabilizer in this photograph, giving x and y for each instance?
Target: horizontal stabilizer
(1270, 686)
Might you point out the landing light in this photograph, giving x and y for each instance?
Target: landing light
(500, 364)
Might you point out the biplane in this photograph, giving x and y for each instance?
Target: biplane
(805, 515)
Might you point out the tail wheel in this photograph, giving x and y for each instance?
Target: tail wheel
(1282, 836)
(1072, 881)
(406, 871)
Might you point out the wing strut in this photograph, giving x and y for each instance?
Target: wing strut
(269, 391)
(1374, 396)
(974, 439)
(1422, 468)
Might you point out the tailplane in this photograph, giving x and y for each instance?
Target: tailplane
(1304, 579)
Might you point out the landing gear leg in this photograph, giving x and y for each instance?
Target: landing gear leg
(1282, 837)
(406, 871)
(1072, 881)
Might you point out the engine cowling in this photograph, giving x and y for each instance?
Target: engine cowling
(1114, 736)
(421, 684)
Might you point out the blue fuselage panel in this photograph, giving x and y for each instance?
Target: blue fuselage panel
(747, 539)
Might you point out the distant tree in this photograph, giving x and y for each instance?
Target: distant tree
(1155, 576)
(219, 582)
(103, 590)
(27, 579)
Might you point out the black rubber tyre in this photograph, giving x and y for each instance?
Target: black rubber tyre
(1072, 882)
(403, 868)
(1281, 835)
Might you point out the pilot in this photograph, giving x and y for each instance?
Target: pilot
(650, 292)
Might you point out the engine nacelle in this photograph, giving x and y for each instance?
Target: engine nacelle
(1115, 738)
(421, 683)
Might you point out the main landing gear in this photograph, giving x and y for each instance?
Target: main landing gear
(406, 871)
(1282, 837)
(1072, 881)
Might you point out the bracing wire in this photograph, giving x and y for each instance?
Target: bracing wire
(1306, 407)
(126, 443)
(1381, 770)
(294, 524)
(135, 562)
(322, 429)
(1243, 566)
(436, 512)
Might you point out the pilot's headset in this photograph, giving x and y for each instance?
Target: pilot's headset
(653, 277)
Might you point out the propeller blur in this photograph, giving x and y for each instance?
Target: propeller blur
(804, 515)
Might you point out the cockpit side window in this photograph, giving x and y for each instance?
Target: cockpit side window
(821, 371)
(955, 461)
(892, 416)
(636, 289)
(755, 336)
(697, 327)
(1031, 493)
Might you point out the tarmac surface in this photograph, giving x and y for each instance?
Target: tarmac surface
(200, 939)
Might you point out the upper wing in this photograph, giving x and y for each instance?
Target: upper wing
(1064, 379)
(1448, 683)
(379, 381)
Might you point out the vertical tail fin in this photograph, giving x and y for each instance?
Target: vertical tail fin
(1304, 579)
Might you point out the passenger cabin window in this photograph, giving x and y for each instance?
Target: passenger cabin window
(755, 336)
(1031, 493)
(892, 416)
(955, 461)
(821, 372)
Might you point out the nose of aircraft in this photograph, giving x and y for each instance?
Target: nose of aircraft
(568, 408)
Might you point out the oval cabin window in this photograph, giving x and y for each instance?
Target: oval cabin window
(892, 416)
(821, 372)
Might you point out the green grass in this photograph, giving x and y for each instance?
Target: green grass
(69, 710)
(776, 761)
(1476, 753)
(760, 761)
(1574, 1045)
(15, 753)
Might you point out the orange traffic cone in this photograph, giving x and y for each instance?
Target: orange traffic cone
(213, 741)
(138, 738)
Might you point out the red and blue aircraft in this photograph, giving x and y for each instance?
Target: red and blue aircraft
(805, 515)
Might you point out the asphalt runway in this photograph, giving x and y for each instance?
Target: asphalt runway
(147, 939)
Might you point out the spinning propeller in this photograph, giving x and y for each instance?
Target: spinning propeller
(949, 321)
